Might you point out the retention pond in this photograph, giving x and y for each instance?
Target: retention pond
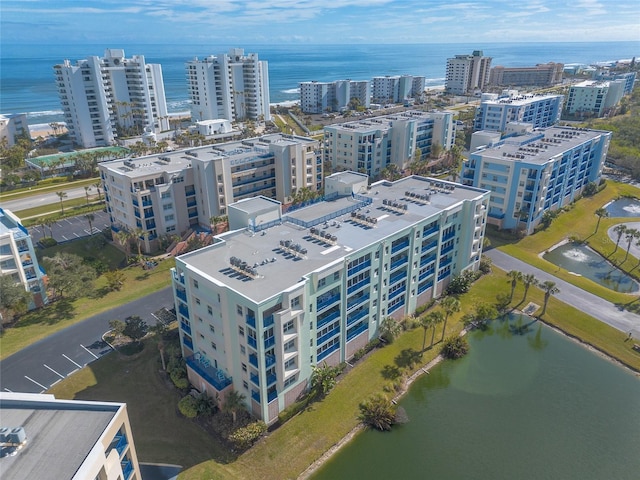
(525, 403)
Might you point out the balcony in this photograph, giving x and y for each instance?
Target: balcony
(397, 292)
(181, 294)
(424, 286)
(270, 360)
(397, 277)
(326, 300)
(254, 379)
(187, 343)
(269, 342)
(127, 469)
(120, 443)
(396, 306)
(271, 378)
(193, 214)
(192, 203)
(271, 396)
(255, 395)
(328, 318)
(330, 334)
(185, 328)
(399, 246)
(359, 285)
(357, 330)
(178, 277)
(252, 342)
(327, 352)
(429, 246)
(268, 321)
(212, 375)
(358, 268)
(183, 310)
(357, 316)
(426, 274)
(399, 262)
(251, 320)
(148, 214)
(446, 250)
(445, 262)
(352, 302)
(448, 236)
(253, 360)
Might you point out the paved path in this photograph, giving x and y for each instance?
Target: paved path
(37, 367)
(634, 250)
(593, 305)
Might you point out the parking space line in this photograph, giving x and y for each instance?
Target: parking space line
(78, 236)
(77, 365)
(39, 384)
(89, 351)
(10, 391)
(47, 366)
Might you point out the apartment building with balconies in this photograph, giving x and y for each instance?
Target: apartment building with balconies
(320, 97)
(535, 173)
(106, 97)
(169, 193)
(496, 111)
(282, 293)
(18, 258)
(467, 74)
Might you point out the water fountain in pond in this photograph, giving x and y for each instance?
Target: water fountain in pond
(581, 260)
(624, 207)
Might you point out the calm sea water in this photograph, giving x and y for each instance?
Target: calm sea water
(27, 82)
(533, 406)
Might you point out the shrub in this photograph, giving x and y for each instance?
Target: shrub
(47, 242)
(359, 354)
(179, 379)
(245, 437)
(455, 347)
(293, 409)
(188, 406)
(377, 411)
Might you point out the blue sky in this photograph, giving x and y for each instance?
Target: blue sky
(317, 21)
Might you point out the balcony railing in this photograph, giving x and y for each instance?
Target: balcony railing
(255, 395)
(268, 321)
(448, 236)
(398, 263)
(251, 321)
(127, 469)
(120, 443)
(187, 343)
(328, 351)
(429, 246)
(181, 294)
(183, 310)
(178, 277)
(358, 268)
(352, 302)
(446, 249)
(357, 330)
(255, 379)
(400, 246)
(357, 316)
(211, 374)
(185, 328)
(328, 335)
(325, 301)
(430, 231)
(322, 321)
(397, 277)
(253, 360)
(396, 306)
(269, 342)
(271, 378)
(252, 342)
(271, 396)
(359, 285)
(269, 360)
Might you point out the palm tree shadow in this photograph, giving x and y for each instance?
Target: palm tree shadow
(407, 358)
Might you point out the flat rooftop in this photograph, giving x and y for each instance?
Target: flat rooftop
(9, 225)
(60, 435)
(539, 146)
(178, 160)
(522, 99)
(381, 122)
(277, 270)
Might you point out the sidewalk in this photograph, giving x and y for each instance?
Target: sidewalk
(593, 305)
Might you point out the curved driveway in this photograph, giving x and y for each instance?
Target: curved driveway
(593, 305)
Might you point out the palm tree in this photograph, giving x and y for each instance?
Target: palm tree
(49, 223)
(61, 195)
(620, 231)
(123, 238)
(601, 212)
(136, 234)
(450, 305)
(86, 192)
(41, 221)
(528, 280)
(437, 317)
(97, 187)
(631, 233)
(515, 277)
(426, 323)
(234, 402)
(90, 218)
(549, 288)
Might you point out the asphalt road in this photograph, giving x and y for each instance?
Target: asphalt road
(593, 305)
(39, 366)
(46, 199)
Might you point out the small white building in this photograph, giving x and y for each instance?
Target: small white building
(214, 127)
(13, 125)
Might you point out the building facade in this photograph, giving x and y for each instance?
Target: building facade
(13, 125)
(594, 98)
(536, 173)
(542, 75)
(104, 97)
(263, 305)
(496, 111)
(320, 97)
(232, 85)
(368, 146)
(44, 437)
(18, 258)
(167, 194)
(397, 88)
(467, 74)
(629, 78)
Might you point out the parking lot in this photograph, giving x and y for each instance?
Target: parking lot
(71, 228)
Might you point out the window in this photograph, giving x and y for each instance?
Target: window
(288, 327)
(167, 206)
(289, 364)
(290, 345)
(168, 218)
(241, 331)
(243, 350)
(197, 301)
(290, 381)
(245, 385)
(239, 309)
(295, 302)
(244, 367)
(336, 276)
(195, 284)
(212, 328)
(209, 310)
(213, 345)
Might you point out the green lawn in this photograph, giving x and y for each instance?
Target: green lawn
(47, 186)
(579, 222)
(111, 256)
(43, 322)
(289, 450)
(72, 208)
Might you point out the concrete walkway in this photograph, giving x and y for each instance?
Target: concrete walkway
(593, 305)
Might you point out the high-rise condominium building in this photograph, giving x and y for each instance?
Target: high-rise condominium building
(536, 173)
(542, 75)
(13, 125)
(264, 304)
(370, 145)
(397, 88)
(105, 97)
(320, 97)
(232, 85)
(629, 78)
(467, 74)
(45, 437)
(171, 192)
(496, 111)
(593, 97)
(18, 258)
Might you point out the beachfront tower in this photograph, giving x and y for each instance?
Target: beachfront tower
(104, 98)
(467, 74)
(233, 86)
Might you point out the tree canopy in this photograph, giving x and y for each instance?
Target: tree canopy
(68, 276)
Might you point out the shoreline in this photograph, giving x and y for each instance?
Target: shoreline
(317, 464)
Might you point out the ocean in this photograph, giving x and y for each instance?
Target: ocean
(27, 82)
